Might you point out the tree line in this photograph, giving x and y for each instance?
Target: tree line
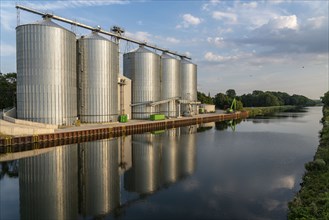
(255, 99)
(222, 100)
(7, 90)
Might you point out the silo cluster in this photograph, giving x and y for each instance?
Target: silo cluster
(164, 79)
(61, 78)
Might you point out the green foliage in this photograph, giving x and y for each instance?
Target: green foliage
(222, 101)
(325, 99)
(204, 99)
(262, 99)
(312, 201)
(7, 90)
(231, 93)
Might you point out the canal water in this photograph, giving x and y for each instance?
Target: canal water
(248, 169)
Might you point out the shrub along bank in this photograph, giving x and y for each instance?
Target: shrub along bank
(312, 201)
(259, 111)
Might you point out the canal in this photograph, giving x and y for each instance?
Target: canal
(246, 169)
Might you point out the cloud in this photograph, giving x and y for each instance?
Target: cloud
(172, 40)
(283, 22)
(211, 57)
(206, 6)
(140, 35)
(317, 22)
(218, 15)
(218, 41)
(250, 5)
(189, 20)
(284, 35)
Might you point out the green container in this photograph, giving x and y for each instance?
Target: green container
(157, 117)
(123, 118)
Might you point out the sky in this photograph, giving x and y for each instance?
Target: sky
(269, 45)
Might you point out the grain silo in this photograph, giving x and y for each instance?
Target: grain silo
(98, 76)
(142, 66)
(144, 176)
(99, 177)
(170, 68)
(188, 85)
(46, 73)
(48, 184)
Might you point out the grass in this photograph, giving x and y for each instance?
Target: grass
(256, 111)
(312, 201)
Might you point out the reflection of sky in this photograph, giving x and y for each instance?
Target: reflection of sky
(9, 198)
(304, 124)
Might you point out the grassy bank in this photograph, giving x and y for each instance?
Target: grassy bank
(312, 201)
(255, 111)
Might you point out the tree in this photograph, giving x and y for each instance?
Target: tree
(7, 90)
(204, 99)
(325, 99)
(231, 93)
(222, 101)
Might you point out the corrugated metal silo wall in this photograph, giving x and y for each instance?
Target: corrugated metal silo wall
(188, 83)
(170, 84)
(143, 68)
(98, 78)
(48, 185)
(99, 177)
(46, 73)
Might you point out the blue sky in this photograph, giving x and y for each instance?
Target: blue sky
(270, 45)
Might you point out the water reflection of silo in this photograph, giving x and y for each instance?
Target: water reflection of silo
(187, 150)
(143, 177)
(99, 177)
(48, 185)
(169, 165)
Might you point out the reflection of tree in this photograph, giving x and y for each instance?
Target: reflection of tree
(203, 129)
(223, 125)
(9, 168)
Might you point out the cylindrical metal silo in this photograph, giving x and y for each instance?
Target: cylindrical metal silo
(99, 177)
(144, 176)
(170, 68)
(98, 79)
(46, 73)
(142, 66)
(48, 184)
(188, 85)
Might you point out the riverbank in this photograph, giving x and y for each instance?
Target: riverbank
(259, 111)
(312, 201)
(88, 132)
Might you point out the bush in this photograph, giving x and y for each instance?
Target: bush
(325, 99)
